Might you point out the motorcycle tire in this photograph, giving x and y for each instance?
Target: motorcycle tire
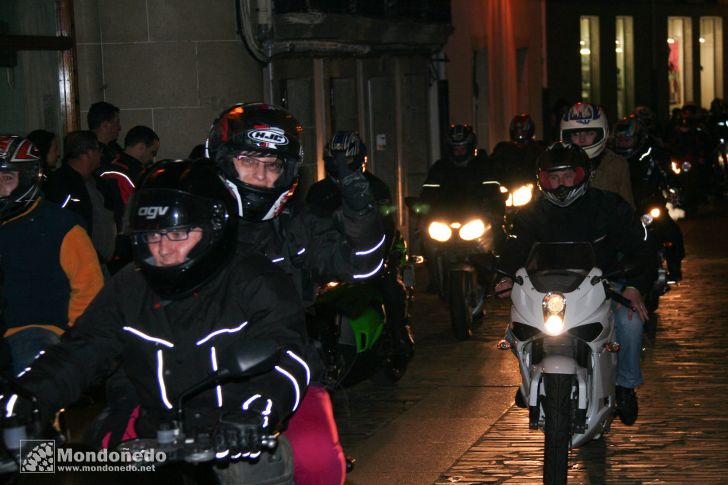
(557, 409)
(461, 306)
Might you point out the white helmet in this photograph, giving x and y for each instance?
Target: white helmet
(586, 117)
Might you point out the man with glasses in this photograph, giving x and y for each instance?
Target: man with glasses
(258, 150)
(193, 297)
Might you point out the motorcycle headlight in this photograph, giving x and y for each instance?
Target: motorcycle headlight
(554, 306)
(554, 325)
(676, 167)
(439, 231)
(472, 230)
(522, 195)
(655, 212)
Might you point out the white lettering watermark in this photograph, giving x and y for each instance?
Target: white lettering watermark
(41, 456)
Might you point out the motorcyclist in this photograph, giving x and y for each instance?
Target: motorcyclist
(571, 210)
(586, 125)
(464, 176)
(515, 160)
(191, 297)
(45, 254)
(258, 150)
(325, 197)
(463, 169)
(648, 164)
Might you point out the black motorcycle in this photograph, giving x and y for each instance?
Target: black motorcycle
(460, 237)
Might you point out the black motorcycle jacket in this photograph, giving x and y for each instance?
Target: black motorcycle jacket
(600, 217)
(311, 248)
(324, 199)
(165, 347)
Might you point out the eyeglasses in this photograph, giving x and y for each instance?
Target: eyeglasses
(173, 235)
(274, 167)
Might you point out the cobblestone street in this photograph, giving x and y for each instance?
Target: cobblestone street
(681, 435)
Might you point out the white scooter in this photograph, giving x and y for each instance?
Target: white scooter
(562, 333)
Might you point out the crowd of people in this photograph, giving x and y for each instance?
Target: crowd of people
(150, 269)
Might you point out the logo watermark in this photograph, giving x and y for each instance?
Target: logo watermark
(41, 456)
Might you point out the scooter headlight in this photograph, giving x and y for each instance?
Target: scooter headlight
(472, 230)
(439, 231)
(655, 212)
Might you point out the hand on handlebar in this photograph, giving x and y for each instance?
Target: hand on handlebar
(638, 304)
(241, 434)
(503, 288)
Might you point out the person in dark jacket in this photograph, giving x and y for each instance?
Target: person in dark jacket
(325, 197)
(45, 256)
(141, 145)
(571, 210)
(258, 150)
(193, 296)
(76, 187)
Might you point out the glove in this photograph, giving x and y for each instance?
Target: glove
(242, 434)
(355, 189)
(18, 420)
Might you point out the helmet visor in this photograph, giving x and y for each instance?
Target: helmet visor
(165, 209)
(567, 176)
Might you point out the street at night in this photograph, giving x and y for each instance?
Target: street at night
(452, 419)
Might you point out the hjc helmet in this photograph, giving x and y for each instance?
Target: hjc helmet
(563, 156)
(349, 144)
(176, 195)
(263, 129)
(19, 155)
(628, 136)
(461, 136)
(522, 128)
(586, 117)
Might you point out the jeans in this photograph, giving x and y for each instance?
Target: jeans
(26, 344)
(629, 335)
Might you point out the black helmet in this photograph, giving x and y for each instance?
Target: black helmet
(522, 128)
(263, 129)
(349, 144)
(178, 195)
(461, 135)
(629, 136)
(19, 155)
(563, 156)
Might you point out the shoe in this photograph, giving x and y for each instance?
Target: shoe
(520, 401)
(627, 407)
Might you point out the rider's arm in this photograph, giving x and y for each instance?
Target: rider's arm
(630, 237)
(81, 265)
(353, 255)
(275, 312)
(86, 353)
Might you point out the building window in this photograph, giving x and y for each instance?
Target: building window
(624, 53)
(680, 60)
(589, 51)
(711, 59)
(37, 61)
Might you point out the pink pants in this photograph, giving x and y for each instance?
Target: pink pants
(317, 455)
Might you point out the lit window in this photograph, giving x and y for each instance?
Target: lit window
(589, 52)
(711, 59)
(680, 60)
(624, 53)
